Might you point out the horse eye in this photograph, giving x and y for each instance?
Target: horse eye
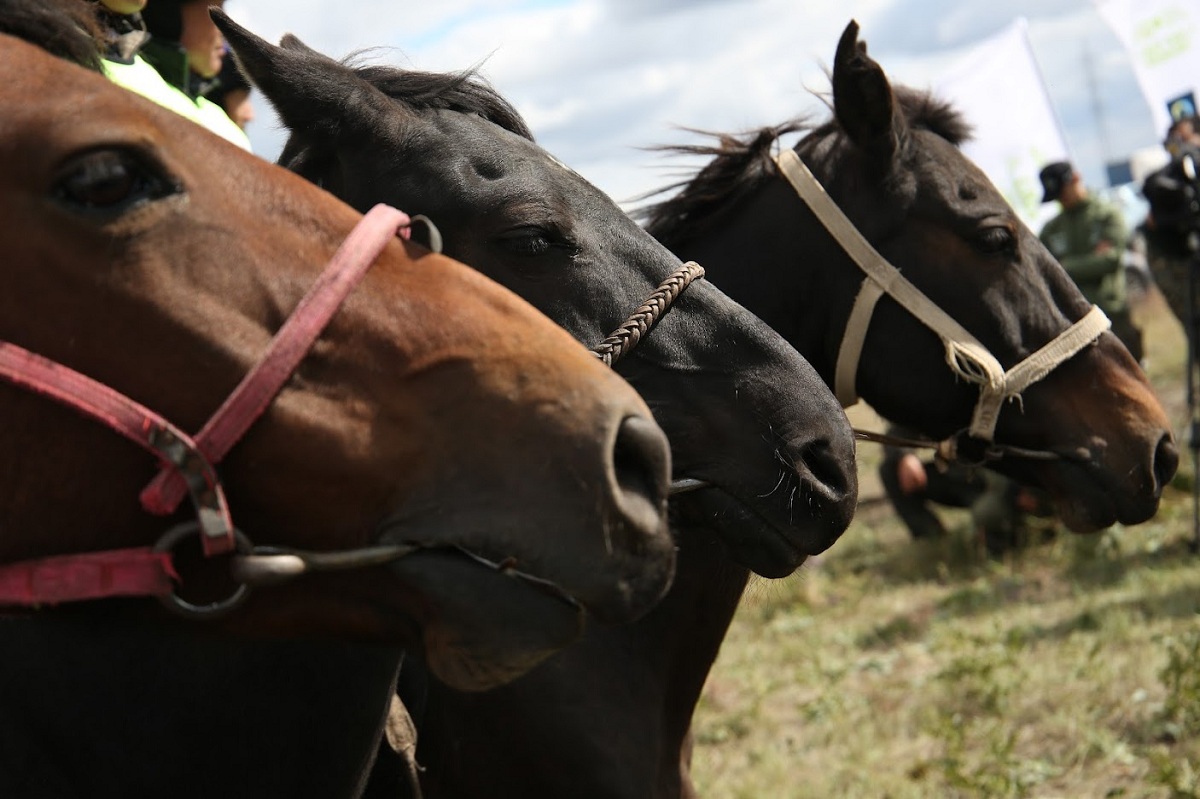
(532, 241)
(110, 181)
(995, 239)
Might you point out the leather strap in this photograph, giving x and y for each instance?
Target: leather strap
(966, 356)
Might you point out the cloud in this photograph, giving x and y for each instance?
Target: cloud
(600, 79)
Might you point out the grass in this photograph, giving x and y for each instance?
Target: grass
(893, 668)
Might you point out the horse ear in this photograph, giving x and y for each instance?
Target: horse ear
(292, 42)
(310, 91)
(863, 102)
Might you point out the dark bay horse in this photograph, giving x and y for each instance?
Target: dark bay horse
(610, 716)
(144, 253)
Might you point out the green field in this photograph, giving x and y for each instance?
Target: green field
(893, 668)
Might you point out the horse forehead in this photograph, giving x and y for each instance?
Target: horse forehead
(946, 178)
(31, 120)
(446, 141)
(522, 150)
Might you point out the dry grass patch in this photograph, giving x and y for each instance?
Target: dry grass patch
(893, 668)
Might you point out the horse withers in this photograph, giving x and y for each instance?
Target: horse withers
(610, 717)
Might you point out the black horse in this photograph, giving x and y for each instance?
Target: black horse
(610, 716)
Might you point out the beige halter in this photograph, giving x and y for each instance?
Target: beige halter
(966, 356)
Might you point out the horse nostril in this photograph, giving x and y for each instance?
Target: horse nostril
(641, 462)
(816, 462)
(825, 482)
(641, 458)
(1166, 461)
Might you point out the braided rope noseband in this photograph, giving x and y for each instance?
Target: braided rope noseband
(619, 342)
(625, 338)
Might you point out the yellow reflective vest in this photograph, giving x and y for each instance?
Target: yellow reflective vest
(144, 79)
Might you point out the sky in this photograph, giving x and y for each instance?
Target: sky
(600, 81)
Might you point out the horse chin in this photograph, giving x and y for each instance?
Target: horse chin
(1085, 503)
(482, 627)
(749, 538)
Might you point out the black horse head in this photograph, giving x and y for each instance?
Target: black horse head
(744, 412)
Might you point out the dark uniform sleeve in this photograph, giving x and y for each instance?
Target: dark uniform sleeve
(1092, 266)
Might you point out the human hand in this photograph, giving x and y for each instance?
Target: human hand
(911, 474)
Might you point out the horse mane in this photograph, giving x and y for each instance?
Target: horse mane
(67, 29)
(741, 161)
(465, 92)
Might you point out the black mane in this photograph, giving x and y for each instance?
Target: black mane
(64, 28)
(741, 161)
(465, 92)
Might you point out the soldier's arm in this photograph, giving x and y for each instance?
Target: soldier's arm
(1106, 258)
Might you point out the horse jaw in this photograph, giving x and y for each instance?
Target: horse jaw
(481, 627)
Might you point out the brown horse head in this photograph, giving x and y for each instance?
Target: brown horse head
(889, 160)
(972, 255)
(744, 413)
(436, 409)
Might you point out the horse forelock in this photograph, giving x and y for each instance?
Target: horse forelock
(925, 111)
(464, 92)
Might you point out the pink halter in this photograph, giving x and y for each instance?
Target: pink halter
(188, 464)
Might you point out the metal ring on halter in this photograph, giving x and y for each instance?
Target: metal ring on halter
(435, 235)
(177, 604)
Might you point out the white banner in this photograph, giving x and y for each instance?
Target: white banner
(999, 90)
(1163, 40)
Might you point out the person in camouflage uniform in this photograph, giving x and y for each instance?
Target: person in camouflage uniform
(1089, 238)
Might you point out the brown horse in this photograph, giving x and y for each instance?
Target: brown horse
(414, 420)
(436, 412)
(610, 716)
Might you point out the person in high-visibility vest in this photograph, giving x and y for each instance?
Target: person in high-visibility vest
(164, 69)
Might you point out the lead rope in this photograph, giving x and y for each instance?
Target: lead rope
(947, 451)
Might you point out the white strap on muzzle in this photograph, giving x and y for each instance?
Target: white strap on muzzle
(967, 356)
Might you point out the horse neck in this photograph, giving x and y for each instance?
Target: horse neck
(768, 253)
(118, 684)
(696, 613)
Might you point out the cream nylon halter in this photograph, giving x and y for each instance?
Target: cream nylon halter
(966, 356)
